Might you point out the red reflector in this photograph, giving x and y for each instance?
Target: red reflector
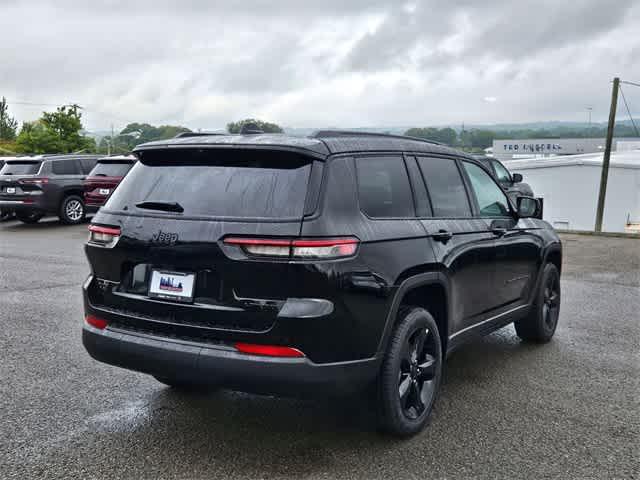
(268, 350)
(96, 322)
(28, 200)
(106, 230)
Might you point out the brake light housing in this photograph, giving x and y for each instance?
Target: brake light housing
(297, 248)
(34, 181)
(103, 236)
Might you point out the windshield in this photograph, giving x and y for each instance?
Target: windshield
(20, 168)
(111, 169)
(230, 185)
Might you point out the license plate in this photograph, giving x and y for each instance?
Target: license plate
(104, 191)
(11, 189)
(175, 286)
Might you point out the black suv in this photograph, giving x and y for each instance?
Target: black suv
(328, 264)
(511, 183)
(35, 186)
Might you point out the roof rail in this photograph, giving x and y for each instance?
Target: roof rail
(196, 134)
(352, 133)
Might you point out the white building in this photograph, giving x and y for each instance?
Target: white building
(569, 186)
(545, 147)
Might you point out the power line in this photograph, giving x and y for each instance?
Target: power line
(629, 112)
(630, 83)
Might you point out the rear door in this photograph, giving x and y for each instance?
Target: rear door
(462, 243)
(175, 208)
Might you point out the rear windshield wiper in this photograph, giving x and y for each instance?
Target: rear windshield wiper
(159, 205)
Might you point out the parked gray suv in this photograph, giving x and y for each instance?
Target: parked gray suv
(33, 187)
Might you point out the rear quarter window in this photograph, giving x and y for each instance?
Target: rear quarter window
(383, 187)
(65, 167)
(218, 183)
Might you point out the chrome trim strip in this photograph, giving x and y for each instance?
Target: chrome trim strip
(495, 317)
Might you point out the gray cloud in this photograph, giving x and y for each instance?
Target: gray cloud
(316, 63)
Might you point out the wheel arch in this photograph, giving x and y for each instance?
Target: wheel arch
(427, 290)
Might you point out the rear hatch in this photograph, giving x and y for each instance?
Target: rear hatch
(170, 271)
(19, 180)
(104, 178)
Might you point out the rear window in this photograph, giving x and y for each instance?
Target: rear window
(20, 168)
(221, 184)
(111, 169)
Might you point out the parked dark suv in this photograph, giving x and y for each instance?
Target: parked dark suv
(36, 186)
(511, 182)
(104, 178)
(328, 264)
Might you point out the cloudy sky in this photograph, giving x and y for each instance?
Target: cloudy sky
(309, 63)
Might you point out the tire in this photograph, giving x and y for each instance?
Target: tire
(185, 386)
(29, 218)
(72, 210)
(410, 375)
(540, 324)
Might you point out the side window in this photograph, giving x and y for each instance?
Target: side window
(446, 188)
(491, 199)
(501, 172)
(65, 167)
(87, 164)
(383, 187)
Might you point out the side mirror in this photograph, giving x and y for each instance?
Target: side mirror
(528, 207)
(516, 177)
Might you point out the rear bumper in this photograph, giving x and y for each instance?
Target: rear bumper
(224, 366)
(22, 206)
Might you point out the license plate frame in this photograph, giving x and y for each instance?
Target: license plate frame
(172, 285)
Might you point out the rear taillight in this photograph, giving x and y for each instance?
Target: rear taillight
(34, 181)
(96, 322)
(104, 236)
(325, 248)
(269, 350)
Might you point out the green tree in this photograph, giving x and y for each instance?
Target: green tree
(136, 133)
(447, 136)
(55, 132)
(266, 127)
(8, 124)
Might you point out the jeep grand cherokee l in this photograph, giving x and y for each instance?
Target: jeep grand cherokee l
(104, 178)
(36, 186)
(328, 264)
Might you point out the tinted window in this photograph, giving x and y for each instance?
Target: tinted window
(87, 164)
(491, 199)
(242, 184)
(111, 169)
(501, 173)
(20, 168)
(383, 187)
(65, 167)
(445, 186)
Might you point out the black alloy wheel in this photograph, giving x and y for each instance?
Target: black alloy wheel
(542, 320)
(416, 379)
(410, 375)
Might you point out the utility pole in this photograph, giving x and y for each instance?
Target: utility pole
(607, 154)
(589, 109)
(110, 142)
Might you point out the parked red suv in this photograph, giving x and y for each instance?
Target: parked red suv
(104, 178)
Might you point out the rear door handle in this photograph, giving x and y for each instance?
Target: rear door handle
(499, 231)
(442, 236)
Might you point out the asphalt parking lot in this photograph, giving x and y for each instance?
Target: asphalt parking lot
(569, 409)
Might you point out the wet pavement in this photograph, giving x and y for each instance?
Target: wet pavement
(569, 409)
